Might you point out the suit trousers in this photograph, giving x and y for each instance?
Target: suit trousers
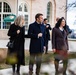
(35, 58)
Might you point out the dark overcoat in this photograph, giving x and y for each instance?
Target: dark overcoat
(18, 42)
(60, 43)
(36, 44)
(59, 40)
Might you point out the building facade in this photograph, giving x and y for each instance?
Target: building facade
(28, 8)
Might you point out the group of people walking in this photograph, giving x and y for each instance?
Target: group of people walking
(39, 34)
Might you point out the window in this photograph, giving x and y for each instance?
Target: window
(71, 17)
(26, 23)
(20, 7)
(6, 7)
(24, 11)
(49, 11)
(5, 10)
(6, 25)
(25, 8)
(0, 21)
(0, 6)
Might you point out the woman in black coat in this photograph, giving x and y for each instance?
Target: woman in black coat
(60, 44)
(16, 33)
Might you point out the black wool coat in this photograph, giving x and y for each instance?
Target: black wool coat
(18, 42)
(36, 44)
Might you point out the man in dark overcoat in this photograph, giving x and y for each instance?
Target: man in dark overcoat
(37, 43)
(48, 27)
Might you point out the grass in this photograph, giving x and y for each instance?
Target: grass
(27, 56)
(45, 59)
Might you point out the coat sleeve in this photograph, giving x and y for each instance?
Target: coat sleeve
(68, 30)
(11, 31)
(49, 27)
(31, 34)
(53, 38)
(67, 43)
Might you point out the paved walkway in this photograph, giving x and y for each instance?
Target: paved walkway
(45, 68)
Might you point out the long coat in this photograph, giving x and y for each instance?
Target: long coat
(18, 42)
(60, 43)
(36, 44)
(59, 40)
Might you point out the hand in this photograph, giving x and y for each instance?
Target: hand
(18, 31)
(54, 50)
(47, 26)
(44, 47)
(39, 35)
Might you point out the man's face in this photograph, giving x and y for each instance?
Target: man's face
(40, 19)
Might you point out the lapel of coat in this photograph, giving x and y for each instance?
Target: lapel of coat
(38, 26)
(63, 35)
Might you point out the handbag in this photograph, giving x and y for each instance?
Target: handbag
(10, 44)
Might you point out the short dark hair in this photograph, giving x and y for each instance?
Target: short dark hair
(38, 15)
(45, 19)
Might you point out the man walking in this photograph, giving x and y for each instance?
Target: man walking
(37, 44)
(48, 27)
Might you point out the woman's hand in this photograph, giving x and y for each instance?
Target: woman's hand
(44, 47)
(54, 50)
(18, 31)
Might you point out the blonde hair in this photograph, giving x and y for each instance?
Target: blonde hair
(18, 21)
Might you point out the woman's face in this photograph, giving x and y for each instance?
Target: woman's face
(63, 23)
(23, 21)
